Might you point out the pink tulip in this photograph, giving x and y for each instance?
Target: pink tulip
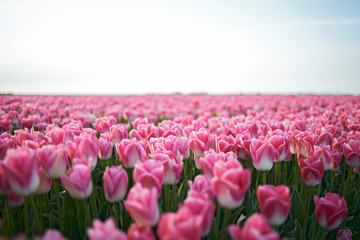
(172, 166)
(274, 203)
(77, 180)
(202, 184)
(344, 234)
(324, 154)
(51, 234)
(130, 151)
(87, 148)
(103, 124)
(324, 139)
(201, 141)
(181, 225)
(208, 161)
(21, 168)
(54, 160)
(331, 210)
(56, 135)
(138, 232)
(142, 205)
(263, 154)
(45, 183)
(150, 174)
(312, 170)
(335, 160)
(115, 182)
(306, 143)
(118, 133)
(282, 145)
(105, 230)
(230, 183)
(106, 149)
(255, 228)
(226, 143)
(200, 205)
(243, 141)
(352, 152)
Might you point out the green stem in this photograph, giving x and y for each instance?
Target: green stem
(46, 196)
(332, 173)
(311, 193)
(39, 204)
(116, 214)
(8, 215)
(93, 201)
(257, 179)
(347, 181)
(26, 217)
(296, 173)
(312, 228)
(58, 204)
(284, 174)
(167, 197)
(36, 215)
(225, 224)
(264, 177)
(276, 173)
(324, 234)
(121, 216)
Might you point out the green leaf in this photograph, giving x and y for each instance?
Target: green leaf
(297, 206)
(213, 231)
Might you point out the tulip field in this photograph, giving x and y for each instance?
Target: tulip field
(180, 167)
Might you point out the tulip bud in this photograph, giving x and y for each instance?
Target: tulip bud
(255, 228)
(105, 230)
(142, 205)
(77, 180)
(115, 183)
(274, 203)
(21, 168)
(230, 183)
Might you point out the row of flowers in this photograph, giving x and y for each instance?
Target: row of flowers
(161, 179)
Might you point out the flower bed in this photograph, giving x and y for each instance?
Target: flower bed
(180, 167)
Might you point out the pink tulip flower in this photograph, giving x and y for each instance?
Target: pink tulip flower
(77, 180)
(274, 203)
(105, 230)
(21, 168)
(142, 205)
(115, 182)
(331, 210)
(230, 183)
(255, 228)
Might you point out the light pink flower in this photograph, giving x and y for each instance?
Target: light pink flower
(21, 167)
(138, 232)
(263, 154)
(115, 182)
(331, 210)
(274, 203)
(255, 228)
(105, 230)
(54, 160)
(77, 180)
(150, 174)
(130, 151)
(230, 183)
(142, 205)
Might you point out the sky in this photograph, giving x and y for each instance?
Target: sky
(216, 47)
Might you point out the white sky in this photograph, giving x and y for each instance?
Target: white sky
(123, 47)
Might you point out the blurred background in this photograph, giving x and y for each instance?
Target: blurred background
(216, 47)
